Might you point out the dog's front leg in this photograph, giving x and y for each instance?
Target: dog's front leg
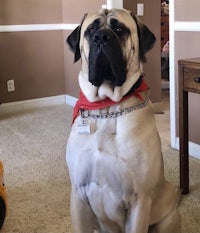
(83, 219)
(139, 216)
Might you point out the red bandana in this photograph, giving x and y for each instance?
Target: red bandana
(83, 103)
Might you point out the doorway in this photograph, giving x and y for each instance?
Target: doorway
(164, 44)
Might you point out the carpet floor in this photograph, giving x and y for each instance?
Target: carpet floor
(32, 148)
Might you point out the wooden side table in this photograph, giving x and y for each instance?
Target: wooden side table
(189, 81)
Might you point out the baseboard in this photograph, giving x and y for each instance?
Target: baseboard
(70, 100)
(194, 149)
(164, 84)
(30, 104)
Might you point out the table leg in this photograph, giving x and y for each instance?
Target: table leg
(183, 134)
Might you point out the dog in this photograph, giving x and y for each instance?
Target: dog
(114, 150)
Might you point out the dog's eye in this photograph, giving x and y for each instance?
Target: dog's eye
(119, 29)
(91, 30)
(94, 26)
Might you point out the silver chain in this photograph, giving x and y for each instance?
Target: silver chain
(87, 114)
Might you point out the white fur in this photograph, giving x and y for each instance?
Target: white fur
(94, 93)
(116, 170)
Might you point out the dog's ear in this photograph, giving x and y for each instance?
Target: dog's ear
(146, 38)
(73, 41)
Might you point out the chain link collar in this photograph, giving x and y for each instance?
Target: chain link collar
(87, 114)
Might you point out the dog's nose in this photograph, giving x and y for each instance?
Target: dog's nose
(101, 37)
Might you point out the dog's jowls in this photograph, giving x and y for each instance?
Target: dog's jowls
(114, 151)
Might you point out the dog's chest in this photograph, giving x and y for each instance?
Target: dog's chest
(105, 164)
(101, 177)
(101, 169)
(98, 154)
(109, 193)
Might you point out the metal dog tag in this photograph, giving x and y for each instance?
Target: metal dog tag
(83, 126)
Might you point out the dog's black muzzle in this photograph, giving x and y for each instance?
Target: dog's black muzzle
(106, 61)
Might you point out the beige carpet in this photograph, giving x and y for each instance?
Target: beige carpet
(32, 148)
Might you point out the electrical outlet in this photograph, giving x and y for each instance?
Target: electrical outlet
(11, 85)
(140, 9)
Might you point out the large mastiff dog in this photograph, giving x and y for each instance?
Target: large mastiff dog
(114, 151)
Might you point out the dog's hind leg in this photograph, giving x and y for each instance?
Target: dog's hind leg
(171, 223)
(83, 220)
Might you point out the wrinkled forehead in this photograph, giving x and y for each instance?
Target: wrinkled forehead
(104, 17)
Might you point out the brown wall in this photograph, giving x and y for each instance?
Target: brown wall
(74, 10)
(30, 12)
(39, 61)
(71, 70)
(35, 59)
(153, 66)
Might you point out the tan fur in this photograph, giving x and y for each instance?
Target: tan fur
(117, 171)
(134, 65)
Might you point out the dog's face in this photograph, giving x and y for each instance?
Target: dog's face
(112, 45)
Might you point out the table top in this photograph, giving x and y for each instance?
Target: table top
(195, 60)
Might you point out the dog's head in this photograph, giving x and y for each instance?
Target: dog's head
(112, 45)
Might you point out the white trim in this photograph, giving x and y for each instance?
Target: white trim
(172, 77)
(35, 103)
(70, 100)
(69, 26)
(194, 149)
(30, 104)
(187, 26)
(36, 27)
(164, 84)
(114, 4)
